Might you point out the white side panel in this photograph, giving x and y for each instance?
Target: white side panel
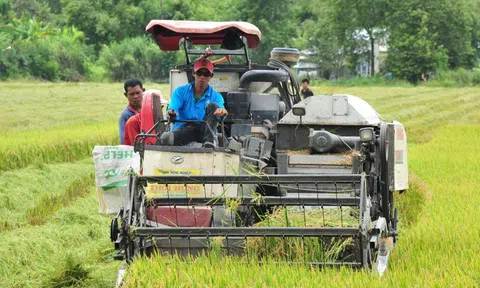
(340, 105)
(225, 81)
(177, 78)
(401, 163)
(323, 112)
(154, 160)
(225, 164)
(158, 163)
(337, 109)
(364, 110)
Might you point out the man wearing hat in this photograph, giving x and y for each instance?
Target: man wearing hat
(195, 101)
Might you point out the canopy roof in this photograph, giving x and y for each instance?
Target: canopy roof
(167, 33)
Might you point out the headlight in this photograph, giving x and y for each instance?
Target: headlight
(366, 134)
(299, 111)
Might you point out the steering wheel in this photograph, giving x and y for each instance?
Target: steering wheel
(222, 125)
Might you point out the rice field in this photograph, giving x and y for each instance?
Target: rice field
(51, 234)
(52, 123)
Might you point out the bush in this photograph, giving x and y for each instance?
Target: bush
(476, 76)
(96, 73)
(10, 67)
(459, 77)
(72, 55)
(29, 59)
(62, 57)
(39, 60)
(137, 57)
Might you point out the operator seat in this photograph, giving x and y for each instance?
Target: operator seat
(167, 139)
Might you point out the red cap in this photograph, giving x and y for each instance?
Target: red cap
(203, 63)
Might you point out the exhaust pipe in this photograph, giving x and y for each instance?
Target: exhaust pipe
(273, 76)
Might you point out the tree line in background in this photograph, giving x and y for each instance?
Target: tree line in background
(81, 40)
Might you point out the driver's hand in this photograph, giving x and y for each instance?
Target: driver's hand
(220, 112)
(171, 114)
(208, 52)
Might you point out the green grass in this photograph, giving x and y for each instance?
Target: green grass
(49, 204)
(26, 194)
(71, 274)
(51, 234)
(33, 256)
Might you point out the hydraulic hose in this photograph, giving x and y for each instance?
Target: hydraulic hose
(291, 91)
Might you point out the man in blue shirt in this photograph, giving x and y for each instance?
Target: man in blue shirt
(133, 91)
(195, 101)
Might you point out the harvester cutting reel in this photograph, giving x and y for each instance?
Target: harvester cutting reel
(370, 243)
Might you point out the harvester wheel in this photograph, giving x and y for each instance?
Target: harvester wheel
(114, 230)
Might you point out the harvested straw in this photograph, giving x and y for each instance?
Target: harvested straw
(346, 161)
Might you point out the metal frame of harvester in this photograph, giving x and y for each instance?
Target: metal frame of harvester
(317, 155)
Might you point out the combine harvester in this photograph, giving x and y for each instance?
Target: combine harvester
(314, 174)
